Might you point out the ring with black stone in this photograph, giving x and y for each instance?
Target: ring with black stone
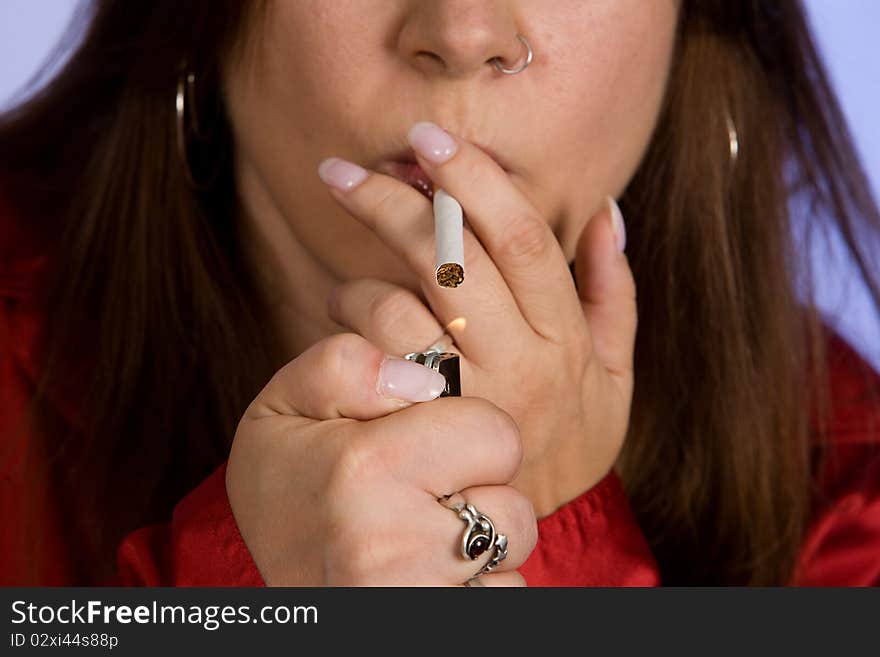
(479, 535)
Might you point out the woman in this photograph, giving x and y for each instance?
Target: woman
(212, 253)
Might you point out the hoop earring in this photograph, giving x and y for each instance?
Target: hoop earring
(732, 139)
(185, 108)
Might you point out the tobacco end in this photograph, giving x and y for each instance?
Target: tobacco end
(450, 274)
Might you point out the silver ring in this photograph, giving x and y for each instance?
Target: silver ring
(511, 71)
(479, 535)
(499, 555)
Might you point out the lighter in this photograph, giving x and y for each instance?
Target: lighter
(444, 362)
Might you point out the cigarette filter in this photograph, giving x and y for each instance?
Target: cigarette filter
(449, 239)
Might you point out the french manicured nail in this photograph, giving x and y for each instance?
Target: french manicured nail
(431, 142)
(341, 174)
(617, 224)
(409, 381)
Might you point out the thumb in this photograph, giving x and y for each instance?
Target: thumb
(345, 376)
(606, 288)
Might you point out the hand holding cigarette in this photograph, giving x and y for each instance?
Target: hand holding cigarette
(554, 352)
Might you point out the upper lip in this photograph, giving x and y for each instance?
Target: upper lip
(408, 155)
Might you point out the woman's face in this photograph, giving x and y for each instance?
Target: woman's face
(349, 77)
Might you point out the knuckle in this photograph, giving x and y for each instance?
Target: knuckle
(525, 522)
(355, 556)
(507, 434)
(357, 463)
(388, 202)
(526, 240)
(474, 170)
(390, 309)
(497, 432)
(350, 553)
(338, 352)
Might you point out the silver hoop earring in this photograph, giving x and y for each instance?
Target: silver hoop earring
(732, 138)
(511, 71)
(188, 124)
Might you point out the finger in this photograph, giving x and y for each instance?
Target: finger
(514, 234)
(387, 315)
(403, 218)
(447, 445)
(607, 289)
(344, 376)
(512, 515)
(506, 579)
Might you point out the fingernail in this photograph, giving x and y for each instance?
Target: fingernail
(341, 174)
(431, 142)
(407, 380)
(617, 224)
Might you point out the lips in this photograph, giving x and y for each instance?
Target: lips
(410, 173)
(403, 166)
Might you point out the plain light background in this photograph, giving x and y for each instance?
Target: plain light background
(847, 31)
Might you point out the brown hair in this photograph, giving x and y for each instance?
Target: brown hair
(151, 282)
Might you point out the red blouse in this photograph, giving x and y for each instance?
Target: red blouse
(592, 540)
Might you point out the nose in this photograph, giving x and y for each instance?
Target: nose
(459, 38)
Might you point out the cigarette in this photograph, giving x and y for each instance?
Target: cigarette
(448, 239)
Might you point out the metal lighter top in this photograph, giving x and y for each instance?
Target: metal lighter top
(444, 362)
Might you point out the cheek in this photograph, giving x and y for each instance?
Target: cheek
(294, 101)
(307, 75)
(606, 95)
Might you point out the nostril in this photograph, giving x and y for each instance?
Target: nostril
(429, 55)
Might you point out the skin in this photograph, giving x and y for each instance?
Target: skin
(348, 79)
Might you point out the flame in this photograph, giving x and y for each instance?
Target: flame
(457, 325)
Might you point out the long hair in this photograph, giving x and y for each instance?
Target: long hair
(149, 284)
